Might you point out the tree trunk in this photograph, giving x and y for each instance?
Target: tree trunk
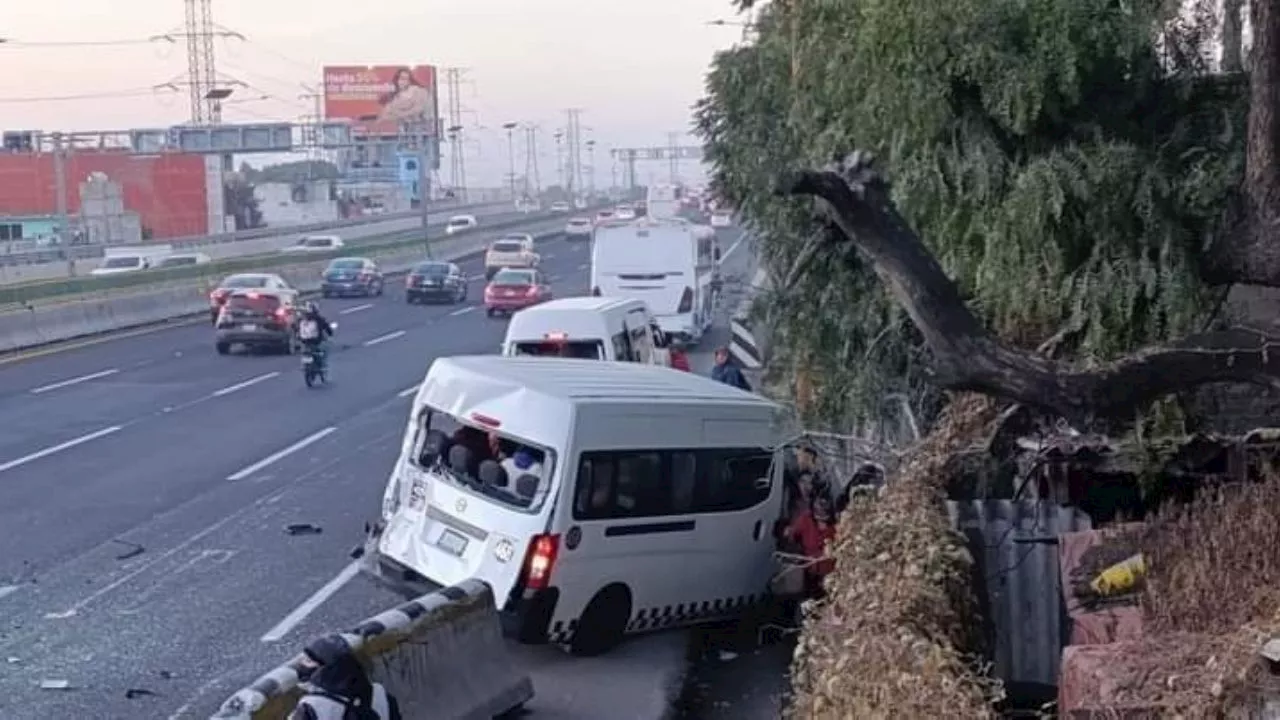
(966, 356)
(1232, 36)
(1251, 254)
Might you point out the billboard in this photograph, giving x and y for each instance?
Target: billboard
(380, 100)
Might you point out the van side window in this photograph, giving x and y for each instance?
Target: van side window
(729, 480)
(654, 483)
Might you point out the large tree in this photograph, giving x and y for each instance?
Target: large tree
(1074, 167)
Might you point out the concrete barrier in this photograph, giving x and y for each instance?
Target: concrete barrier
(441, 656)
(45, 324)
(264, 244)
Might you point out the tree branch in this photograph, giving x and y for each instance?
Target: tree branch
(967, 357)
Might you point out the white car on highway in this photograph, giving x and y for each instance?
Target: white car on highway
(315, 244)
(184, 260)
(560, 207)
(578, 228)
(511, 251)
(117, 264)
(625, 212)
(721, 219)
(459, 223)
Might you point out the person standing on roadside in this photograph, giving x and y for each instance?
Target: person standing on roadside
(727, 372)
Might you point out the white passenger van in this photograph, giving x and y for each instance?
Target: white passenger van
(650, 503)
(664, 200)
(667, 263)
(588, 328)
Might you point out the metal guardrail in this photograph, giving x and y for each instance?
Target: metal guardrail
(89, 252)
(60, 289)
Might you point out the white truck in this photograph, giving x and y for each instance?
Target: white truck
(131, 258)
(666, 262)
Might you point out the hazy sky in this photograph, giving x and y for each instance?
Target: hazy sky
(635, 68)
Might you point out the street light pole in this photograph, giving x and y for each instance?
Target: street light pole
(511, 155)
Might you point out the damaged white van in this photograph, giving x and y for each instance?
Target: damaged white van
(597, 499)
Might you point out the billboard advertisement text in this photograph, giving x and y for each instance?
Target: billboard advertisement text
(382, 99)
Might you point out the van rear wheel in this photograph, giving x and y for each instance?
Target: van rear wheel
(603, 623)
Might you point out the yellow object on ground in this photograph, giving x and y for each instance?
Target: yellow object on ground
(1121, 577)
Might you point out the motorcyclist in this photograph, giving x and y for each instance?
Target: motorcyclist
(314, 330)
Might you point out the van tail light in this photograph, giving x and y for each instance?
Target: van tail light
(532, 291)
(686, 301)
(595, 291)
(540, 561)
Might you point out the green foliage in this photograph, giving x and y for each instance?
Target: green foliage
(1059, 164)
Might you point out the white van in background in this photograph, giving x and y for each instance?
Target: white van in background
(630, 491)
(588, 328)
(668, 263)
(126, 259)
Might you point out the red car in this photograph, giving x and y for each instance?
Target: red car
(513, 289)
(266, 282)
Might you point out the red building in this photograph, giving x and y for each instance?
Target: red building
(168, 192)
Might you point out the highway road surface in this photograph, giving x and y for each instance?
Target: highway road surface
(145, 488)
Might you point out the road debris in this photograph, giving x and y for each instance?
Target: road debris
(134, 549)
(303, 529)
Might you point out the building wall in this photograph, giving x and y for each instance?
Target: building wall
(168, 192)
(280, 205)
(32, 228)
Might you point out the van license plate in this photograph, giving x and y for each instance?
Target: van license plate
(452, 542)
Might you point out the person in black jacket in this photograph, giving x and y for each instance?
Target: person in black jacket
(339, 689)
(727, 372)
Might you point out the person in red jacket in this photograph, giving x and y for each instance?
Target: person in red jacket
(815, 530)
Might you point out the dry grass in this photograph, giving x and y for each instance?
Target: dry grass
(896, 634)
(1210, 602)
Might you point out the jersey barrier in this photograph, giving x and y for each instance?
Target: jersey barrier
(440, 657)
(747, 342)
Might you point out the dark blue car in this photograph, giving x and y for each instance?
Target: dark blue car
(351, 277)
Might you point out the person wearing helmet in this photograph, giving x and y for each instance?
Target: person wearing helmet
(314, 329)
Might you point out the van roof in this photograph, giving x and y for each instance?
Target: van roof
(596, 382)
(585, 303)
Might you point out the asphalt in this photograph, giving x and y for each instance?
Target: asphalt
(146, 484)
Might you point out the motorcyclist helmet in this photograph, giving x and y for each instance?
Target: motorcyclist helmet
(312, 309)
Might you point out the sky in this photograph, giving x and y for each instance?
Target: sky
(634, 68)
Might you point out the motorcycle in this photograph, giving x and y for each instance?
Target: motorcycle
(315, 362)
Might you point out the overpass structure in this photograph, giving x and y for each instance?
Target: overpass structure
(672, 154)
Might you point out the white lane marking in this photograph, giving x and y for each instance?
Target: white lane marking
(74, 381)
(7, 590)
(309, 605)
(548, 256)
(278, 456)
(60, 447)
(355, 309)
(474, 278)
(383, 338)
(733, 247)
(463, 311)
(242, 385)
(408, 392)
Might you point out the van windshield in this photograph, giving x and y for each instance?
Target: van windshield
(512, 473)
(576, 349)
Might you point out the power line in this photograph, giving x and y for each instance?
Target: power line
(138, 92)
(5, 43)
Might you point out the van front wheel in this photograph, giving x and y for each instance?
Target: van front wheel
(603, 623)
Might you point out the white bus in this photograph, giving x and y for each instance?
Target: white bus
(635, 498)
(664, 201)
(669, 264)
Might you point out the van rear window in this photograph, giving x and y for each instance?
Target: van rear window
(466, 448)
(575, 349)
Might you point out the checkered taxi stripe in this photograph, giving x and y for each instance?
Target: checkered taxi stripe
(667, 616)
